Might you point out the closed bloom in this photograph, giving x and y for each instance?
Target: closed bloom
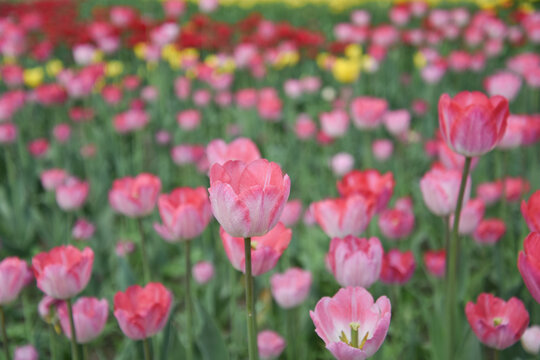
(529, 264)
(531, 211)
(490, 192)
(382, 149)
(334, 123)
(440, 189)
(342, 163)
(243, 149)
(471, 123)
(504, 83)
(13, 273)
(247, 199)
(265, 250)
(185, 213)
(203, 272)
(135, 197)
(343, 216)
(89, 315)
(189, 119)
(72, 194)
(367, 112)
(27, 352)
(435, 261)
(530, 340)
(64, 271)
(471, 215)
(396, 223)
(496, 323)
(397, 267)
(270, 344)
(291, 212)
(83, 230)
(351, 324)
(290, 288)
(397, 122)
(355, 261)
(142, 312)
(376, 187)
(489, 231)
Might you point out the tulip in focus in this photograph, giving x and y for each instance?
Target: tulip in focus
(89, 316)
(290, 288)
(496, 323)
(351, 324)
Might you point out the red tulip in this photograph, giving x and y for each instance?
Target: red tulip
(496, 323)
(185, 214)
(354, 261)
(13, 276)
(529, 264)
(142, 312)
(290, 288)
(531, 211)
(242, 149)
(396, 223)
(435, 262)
(64, 271)
(397, 267)
(489, 231)
(352, 312)
(343, 216)
(135, 197)
(265, 250)
(89, 316)
(247, 199)
(375, 187)
(471, 123)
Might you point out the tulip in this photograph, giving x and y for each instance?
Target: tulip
(471, 215)
(396, 223)
(242, 149)
(375, 187)
(343, 216)
(504, 83)
(290, 288)
(489, 192)
(367, 112)
(440, 190)
(489, 231)
(203, 272)
(342, 163)
(334, 123)
(435, 262)
(351, 324)
(496, 323)
(531, 211)
(265, 250)
(185, 214)
(382, 149)
(529, 264)
(291, 212)
(135, 197)
(247, 199)
(397, 267)
(8, 133)
(304, 127)
(89, 316)
(471, 123)
(397, 122)
(530, 340)
(270, 345)
(64, 271)
(13, 278)
(27, 352)
(189, 119)
(82, 230)
(72, 193)
(515, 188)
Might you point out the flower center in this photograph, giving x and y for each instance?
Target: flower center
(354, 336)
(254, 245)
(497, 321)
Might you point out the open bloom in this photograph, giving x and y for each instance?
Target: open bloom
(243, 149)
(185, 214)
(13, 275)
(471, 123)
(355, 261)
(531, 211)
(64, 271)
(89, 316)
(496, 323)
(376, 187)
(265, 250)
(291, 288)
(247, 199)
(529, 264)
(135, 197)
(142, 311)
(343, 216)
(351, 324)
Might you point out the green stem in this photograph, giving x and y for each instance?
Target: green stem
(4, 334)
(447, 233)
(52, 341)
(189, 314)
(85, 352)
(146, 347)
(74, 348)
(146, 268)
(453, 257)
(250, 304)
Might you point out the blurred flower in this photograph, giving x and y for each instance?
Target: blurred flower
(397, 267)
(435, 261)
(531, 211)
(270, 344)
(72, 193)
(243, 149)
(82, 230)
(89, 316)
(489, 231)
(440, 189)
(135, 197)
(290, 288)
(530, 340)
(26, 352)
(203, 272)
(13, 274)
(343, 216)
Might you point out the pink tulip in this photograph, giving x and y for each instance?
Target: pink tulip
(62, 133)
(452, 160)
(490, 193)
(142, 312)
(355, 261)
(189, 119)
(396, 223)
(247, 199)
(397, 122)
(8, 133)
(489, 231)
(440, 190)
(185, 214)
(269, 104)
(342, 163)
(382, 149)
(207, 6)
(270, 345)
(13, 277)
(343, 216)
(124, 248)
(305, 128)
(72, 194)
(504, 83)
(64, 271)
(531, 211)
(130, 120)
(334, 123)
(496, 323)
(529, 264)
(203, 272)
(376, 188)
(435, 262)
(471, 123)
(27, 352)
(291, 212)
(530, 340)
(397, 267)
(367, 112)
(265, 250)
(351, 324)
(53, 178)
(291, 288)
(187, 154)
(515, 188)
(38, 148)
(89, 316)
(135, 197)
(242, 149)
(83, 230)
(471, 215)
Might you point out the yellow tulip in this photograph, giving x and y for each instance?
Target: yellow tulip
(346, 70)
(53, 67)
(33, 77)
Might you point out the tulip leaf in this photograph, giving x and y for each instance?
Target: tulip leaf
(210, 340)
